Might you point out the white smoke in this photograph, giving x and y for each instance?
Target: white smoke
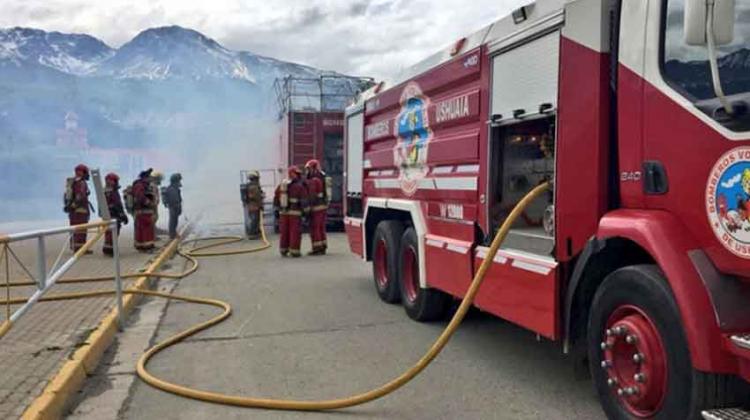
(211, 181)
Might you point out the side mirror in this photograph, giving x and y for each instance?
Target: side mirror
(696, 16)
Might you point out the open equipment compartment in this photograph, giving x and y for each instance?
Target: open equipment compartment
(523, 156)
(523, 133)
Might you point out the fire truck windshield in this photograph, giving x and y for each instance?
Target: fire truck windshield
(687, 67)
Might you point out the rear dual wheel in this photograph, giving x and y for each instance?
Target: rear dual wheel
(395, 269)
(385, 255)
(421, 304)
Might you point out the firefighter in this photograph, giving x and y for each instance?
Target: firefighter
(77, 204)
(173, 201)
(143, 208)
(290, 199)
(253, 202)
(317, 187)
(116, 209)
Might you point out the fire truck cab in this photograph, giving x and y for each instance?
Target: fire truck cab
(638, 260)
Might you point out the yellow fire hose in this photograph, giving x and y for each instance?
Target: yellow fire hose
(303, 405)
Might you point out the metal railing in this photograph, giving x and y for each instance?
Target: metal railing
(46, 279)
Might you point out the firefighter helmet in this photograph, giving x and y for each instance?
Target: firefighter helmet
(83, 169)
(157, 176)
(313, 164)
(146, 173)
(294, 171)
(253, 175)
(112, 177)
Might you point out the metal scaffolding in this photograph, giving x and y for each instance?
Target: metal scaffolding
(330, 92)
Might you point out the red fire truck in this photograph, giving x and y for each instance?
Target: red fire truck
(311, 114)
(638, 260)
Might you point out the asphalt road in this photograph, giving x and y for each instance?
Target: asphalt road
(314, 328)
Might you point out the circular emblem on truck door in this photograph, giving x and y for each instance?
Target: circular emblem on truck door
(413, 134)
(728, 201)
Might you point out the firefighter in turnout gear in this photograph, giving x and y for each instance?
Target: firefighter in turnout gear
(319, 197)
(116, 209)
(173, 201)
(252, 200)
(77, 204)
(290, 199)
(144, 200)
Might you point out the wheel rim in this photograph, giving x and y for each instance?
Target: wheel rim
(634, 361)
(381, 264)
(410, 273)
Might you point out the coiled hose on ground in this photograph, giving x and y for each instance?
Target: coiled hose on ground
(281, 404)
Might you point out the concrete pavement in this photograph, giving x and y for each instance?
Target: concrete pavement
(314, 328)
(33, 351)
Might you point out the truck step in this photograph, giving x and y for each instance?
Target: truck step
(742, 340)
(533, 240)
(726, 414)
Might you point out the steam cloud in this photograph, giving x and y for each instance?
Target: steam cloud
(208, 135)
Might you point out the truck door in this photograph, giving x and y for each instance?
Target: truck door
(696, 162)
(632, 47)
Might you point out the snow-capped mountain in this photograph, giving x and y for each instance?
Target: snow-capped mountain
(695, 76)
(268, 69)
(164, 53)
(174, 52)
(68, 53)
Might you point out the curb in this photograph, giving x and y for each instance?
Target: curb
(72, 375)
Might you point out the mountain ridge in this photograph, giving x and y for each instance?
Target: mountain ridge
(695, 76)
(75, 54)
(157, 53)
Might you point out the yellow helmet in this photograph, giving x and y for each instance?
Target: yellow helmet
(158, 176)
(253, 174)
(746, 176)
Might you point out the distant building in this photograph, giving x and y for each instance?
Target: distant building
(72, 136)
(73, 147)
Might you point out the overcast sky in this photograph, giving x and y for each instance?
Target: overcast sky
(364, 37)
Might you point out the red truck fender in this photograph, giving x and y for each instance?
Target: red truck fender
(667, 241)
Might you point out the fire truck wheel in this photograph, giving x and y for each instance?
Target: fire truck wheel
(421, 304)
(638, 353)
(385, 247)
